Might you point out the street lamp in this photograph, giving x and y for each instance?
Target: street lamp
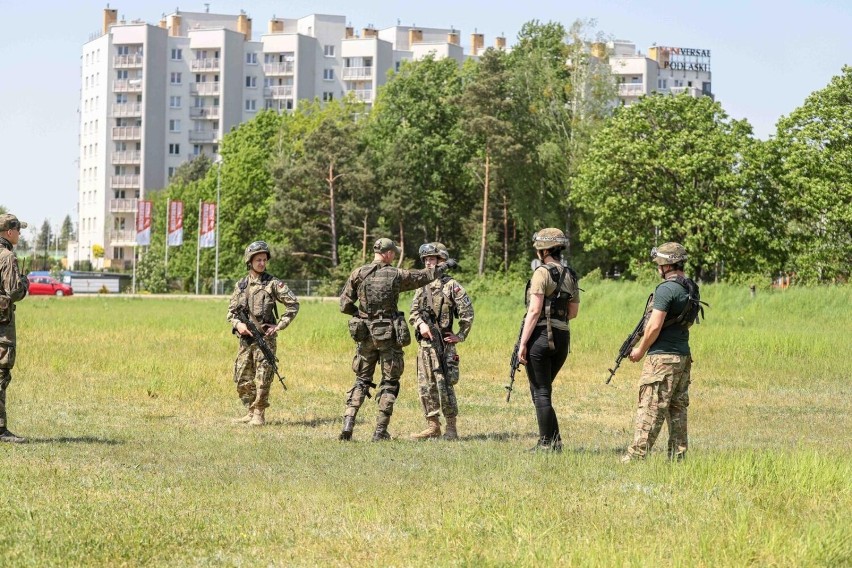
(218, 214)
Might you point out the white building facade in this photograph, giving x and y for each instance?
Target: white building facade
(154, 96)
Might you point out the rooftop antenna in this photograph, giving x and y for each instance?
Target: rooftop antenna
(206, 8)
(398, 21)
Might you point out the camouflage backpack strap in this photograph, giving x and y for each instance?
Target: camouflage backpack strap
(559, 276)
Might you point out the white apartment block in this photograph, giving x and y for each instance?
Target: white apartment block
(154, 96)
(671, 70)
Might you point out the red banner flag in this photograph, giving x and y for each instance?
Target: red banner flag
(143, 223)
(175, 223)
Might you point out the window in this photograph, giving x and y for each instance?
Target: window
(328, 50)
(175, 78)
(121, 74)
(177, 54)
(328, 74)
(124, 50)
(121, 98)
(174, 149)
(251, 105)
(251, 58)
(251, 82)
(196, 149)
(174, 125)
(662, 83)
(327, 96)
(368, 62)
(171, 172)
(174, 102)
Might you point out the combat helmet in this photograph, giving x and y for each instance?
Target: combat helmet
(256, 247)
(668, 253)
(550, 238)
(434, 249)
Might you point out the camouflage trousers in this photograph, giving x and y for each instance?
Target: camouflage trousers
(437, 394)
(253, 374)
(7, 362)
(663, 396)
(367, 355)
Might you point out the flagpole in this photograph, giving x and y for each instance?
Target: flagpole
(218, 204)
(198, 248)
(168, 221)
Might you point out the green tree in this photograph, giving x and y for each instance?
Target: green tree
(815, 170)
(668, 166)
(66, 233)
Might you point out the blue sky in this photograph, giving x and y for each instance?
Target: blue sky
(767, 57)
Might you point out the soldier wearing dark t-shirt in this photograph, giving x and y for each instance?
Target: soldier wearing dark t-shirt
(664, 384)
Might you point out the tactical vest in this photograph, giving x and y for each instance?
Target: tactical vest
(693, 308)
(378, 291)
(556, 304)
(441, 311)
(265, 279)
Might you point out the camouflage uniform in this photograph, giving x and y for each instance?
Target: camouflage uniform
(376, 288)
(252, 372)
(13, 288)
(448, 298)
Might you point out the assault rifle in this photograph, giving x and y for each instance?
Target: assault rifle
(258, 337)
(514, 363)
(437, 342)
(631, 340)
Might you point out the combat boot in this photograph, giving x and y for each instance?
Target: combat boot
(258, 418)
(451, 434)
(9, 437)
(243, 419)
(433, 429)
(381, 432)
(348, 427)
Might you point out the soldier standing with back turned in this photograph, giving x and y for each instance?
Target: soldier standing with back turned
(432, 311)
(13, 288)
(379, 331)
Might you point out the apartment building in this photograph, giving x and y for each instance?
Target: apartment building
(671, 70)
(154, 96)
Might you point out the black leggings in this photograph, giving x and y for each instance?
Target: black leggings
(542, 367)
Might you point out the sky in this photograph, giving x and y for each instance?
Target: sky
(767, 56)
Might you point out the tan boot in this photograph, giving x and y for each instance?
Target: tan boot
(257, 418)
(451, 433)
(433, 429)
(243, 419)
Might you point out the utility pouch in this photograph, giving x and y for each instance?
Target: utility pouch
(358, 329)
(5, 309)
(403, 335)
(381, 329)
(452, 360)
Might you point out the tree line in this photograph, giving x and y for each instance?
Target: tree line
(481, 155)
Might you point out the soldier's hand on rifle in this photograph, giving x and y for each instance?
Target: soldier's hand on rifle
(271, 330)
(635, 354)
(451, 338)
(425, 331)
(522, 354)
(242, 329)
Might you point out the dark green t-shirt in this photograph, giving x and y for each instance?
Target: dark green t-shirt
(671, 298)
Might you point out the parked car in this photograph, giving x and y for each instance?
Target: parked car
(48, 286)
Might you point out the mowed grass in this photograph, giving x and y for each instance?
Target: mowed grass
(133, 460)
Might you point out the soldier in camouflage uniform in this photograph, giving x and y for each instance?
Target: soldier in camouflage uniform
(258, 291)
(379, 331)
(13, 288)
(432, 309)
(664, 384)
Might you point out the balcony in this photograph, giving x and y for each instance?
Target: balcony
(204, 112)
(127, 86)
(205, 65)
(211, 88)
(127, 181)
(122, 237)
(127, 133)
(279, 92)
(130, 157)
(363, 95)
(357, 73)
(631, 90)
(693, 92)
(281, 68)
(127, 109)
(123, 205)
(128, 61)
(203, 136)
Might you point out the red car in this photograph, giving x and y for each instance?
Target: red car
(46, 285)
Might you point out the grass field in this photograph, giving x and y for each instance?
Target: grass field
(133, 460)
